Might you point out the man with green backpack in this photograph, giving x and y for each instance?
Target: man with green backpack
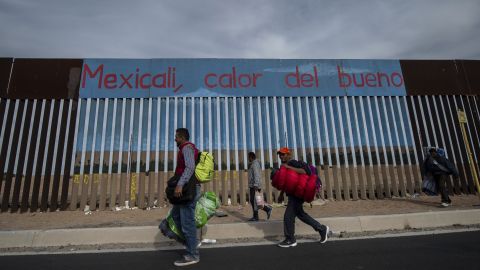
(184, 190)
(185, 195)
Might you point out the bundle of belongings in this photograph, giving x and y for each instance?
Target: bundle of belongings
(303, 186)
(204, 210)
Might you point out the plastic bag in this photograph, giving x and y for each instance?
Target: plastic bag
(259, 199)
(429, 186)
(204, 210)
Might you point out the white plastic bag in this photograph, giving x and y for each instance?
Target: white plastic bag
(259, 199)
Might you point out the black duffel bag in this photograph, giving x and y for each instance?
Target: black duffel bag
(188, 191)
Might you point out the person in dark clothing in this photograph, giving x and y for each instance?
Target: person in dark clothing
(295, 205)
(439, 168)
(254, 185)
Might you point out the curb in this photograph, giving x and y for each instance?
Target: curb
(152, 235)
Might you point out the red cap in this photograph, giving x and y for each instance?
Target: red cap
(283, 150)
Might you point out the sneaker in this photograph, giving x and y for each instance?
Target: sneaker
(287, 243)
(444, 204)
(324, 235)
(186, 260)
(253, 219)
(269, 212)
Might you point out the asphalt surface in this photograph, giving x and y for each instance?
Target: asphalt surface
(437, 251)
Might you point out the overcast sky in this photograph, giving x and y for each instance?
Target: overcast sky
(336, 29)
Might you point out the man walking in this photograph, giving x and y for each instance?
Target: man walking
(439, 168)
(295, 204)
(255, 185)
(184, 214)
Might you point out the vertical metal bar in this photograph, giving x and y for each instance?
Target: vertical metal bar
(309, 133)
(378, 182)
(157, 147)
(317, 127)
(345, 177)
(416, 165)
(75, 183)
(227, 146)
(210, 125)
(201, 123)
(93, 177)
(94, 141)
(275, 118)
(448, 132)
(139, 137)
(284, 118)
(20, 135)
(245, 162)
(411, 127)
(270, 156)
(269, 132)
(184, 112)
(46, 178)
(193, 121)
(159, 178)
(148, 152)
(362, 173)
(123, 176)
(385, 167)
(431, 122)
(473, 154)
(300, 121)
(404, 176)
(219, 148)
(354, 173)
(122, 134)
(294, 135)
(149, 135)
(30, 132)
(260, 133)
(175, 119)
(468, 184)
(244, 135)
(252, 128)
(235, 132)
(167, 131)
(470, 132)
(336, 177)
(393, 176)
(439, 125)
(371, 179)
(427, 135)
(27, 171)
(113, 179)
(329, 156)
(83, 178)
(55, 150)
(102, 149)
(9, 147)
(7, 106)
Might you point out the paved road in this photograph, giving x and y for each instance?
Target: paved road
(441, 251)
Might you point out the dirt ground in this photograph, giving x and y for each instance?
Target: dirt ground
(152, 217)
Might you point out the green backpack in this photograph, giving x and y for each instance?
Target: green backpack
(204, 169)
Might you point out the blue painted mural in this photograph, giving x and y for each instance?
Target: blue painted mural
(141, 78)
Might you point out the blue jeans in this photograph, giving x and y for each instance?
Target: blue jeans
(184, 217)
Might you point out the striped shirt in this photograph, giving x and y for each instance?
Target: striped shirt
(189, 156)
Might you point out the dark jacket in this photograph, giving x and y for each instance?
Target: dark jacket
(439, 165)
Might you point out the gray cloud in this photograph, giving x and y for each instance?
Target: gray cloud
(428, 29)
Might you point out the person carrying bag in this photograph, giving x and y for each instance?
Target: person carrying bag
(183, 191)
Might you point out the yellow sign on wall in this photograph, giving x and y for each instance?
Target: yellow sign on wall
(462, 117)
